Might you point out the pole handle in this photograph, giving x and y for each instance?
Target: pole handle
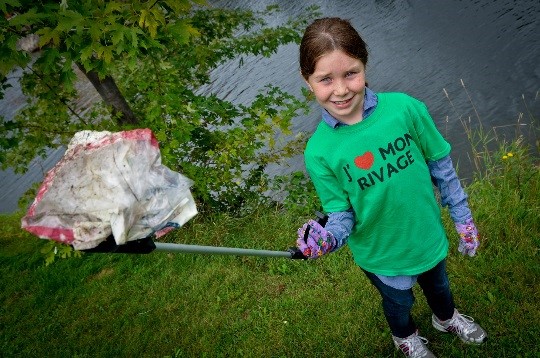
(296, 254)
(142, 246)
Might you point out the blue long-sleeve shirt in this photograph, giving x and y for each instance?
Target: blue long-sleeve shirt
(442, 171)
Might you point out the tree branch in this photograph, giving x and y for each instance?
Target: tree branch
(59, 98)
(109, 91)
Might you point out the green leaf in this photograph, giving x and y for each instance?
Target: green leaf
(10, 57)
(134, 38)
(68, 78)
(107, 54)
(28, 18)
(69, 20)
(86, 52)
(158, 16)
(142, 18)
(113, 6)
(117, 35)
(95, 32)
(5, 3)
(161, 137)
(181, 31)
(47, 35)
(50, 57)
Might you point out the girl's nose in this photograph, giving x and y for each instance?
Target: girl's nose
(340, 88)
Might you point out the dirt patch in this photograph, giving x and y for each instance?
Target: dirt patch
(106, 272)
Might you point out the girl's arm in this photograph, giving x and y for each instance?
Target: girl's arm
(452, 195)
(340, 224)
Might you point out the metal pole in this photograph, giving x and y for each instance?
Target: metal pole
(196, 249)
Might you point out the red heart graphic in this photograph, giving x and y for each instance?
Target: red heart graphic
(364, 161)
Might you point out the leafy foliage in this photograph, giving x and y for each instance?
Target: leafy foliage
(301, 198)
(159, 53)
(51, 250)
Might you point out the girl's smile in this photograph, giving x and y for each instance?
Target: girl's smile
(338, 83)
(342, 103)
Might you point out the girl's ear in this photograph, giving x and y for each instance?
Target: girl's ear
(306, 81)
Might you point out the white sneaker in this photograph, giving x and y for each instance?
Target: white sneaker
(413, 346)
(463, 326)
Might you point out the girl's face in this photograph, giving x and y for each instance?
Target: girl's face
(339, 84)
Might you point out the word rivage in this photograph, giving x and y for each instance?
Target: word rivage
(392, 165)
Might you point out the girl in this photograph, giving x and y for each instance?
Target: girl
(372, 160)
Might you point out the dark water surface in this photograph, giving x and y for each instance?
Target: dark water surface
(418, 47)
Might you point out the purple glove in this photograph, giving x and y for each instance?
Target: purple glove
(318, 241)
(468, 237)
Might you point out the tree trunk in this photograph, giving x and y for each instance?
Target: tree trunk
(111, 95)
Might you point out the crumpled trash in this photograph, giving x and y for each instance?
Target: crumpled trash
(110, 184)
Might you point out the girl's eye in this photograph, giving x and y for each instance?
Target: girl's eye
(325, 80)
(349, 74)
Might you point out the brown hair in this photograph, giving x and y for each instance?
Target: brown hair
(326, 35)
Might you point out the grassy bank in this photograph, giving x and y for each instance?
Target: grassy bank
(181, 305)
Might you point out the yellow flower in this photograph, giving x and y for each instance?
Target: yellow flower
(510, 154)
(505, 157)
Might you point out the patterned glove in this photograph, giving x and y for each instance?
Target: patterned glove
(314, 241)
(468, 237)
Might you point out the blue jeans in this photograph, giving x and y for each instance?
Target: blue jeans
(397, 304)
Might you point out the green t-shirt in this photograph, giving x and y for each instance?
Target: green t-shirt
(378, 167)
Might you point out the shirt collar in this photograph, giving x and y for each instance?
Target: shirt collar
(370, 102)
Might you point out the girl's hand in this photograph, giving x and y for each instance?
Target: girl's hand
(314, 241)
(468, 237)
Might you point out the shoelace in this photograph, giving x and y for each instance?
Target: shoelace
(412, 345)
(462, 324)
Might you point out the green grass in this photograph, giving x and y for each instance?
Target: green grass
(184, 305)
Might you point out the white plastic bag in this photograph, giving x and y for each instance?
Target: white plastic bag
(109, 183)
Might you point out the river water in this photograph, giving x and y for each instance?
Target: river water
(484, 54)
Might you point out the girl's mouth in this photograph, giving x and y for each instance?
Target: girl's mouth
(342, 103)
